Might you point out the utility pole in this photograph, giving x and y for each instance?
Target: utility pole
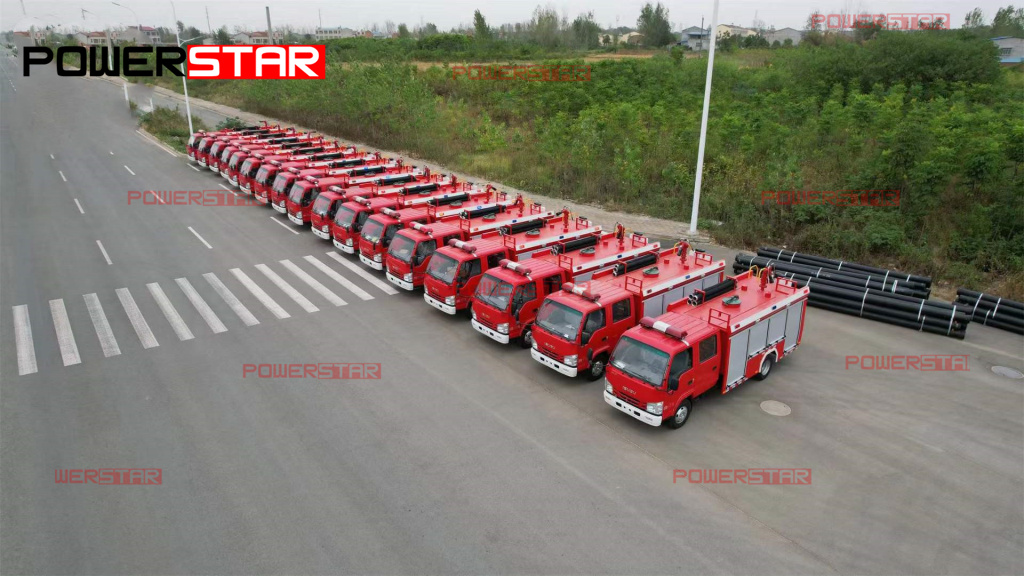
(270, 29)
(208, 27)
(321, 14)
(700, 39)
(704, 124)
(184, 73)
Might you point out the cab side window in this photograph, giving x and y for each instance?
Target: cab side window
(468, 270)
(525, 293)
(681, 364)
(494, 260)
(621, 310)
(423, 250)
(595, 321)
(334, 209)
(389, 233)
(708, 348)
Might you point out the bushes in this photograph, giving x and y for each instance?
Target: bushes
(170, 126)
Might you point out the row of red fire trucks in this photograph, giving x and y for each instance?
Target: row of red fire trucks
(662, 327)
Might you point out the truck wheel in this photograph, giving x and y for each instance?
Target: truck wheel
(526, 340)
(766, 367)
(597, 366)
(682, 414)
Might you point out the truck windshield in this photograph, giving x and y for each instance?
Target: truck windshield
(281, 183)
(262, 175)
(321, 205)
(640, 361)
(373, 230)
(247, 169)
(495, 292)
(234, 161)
(297, 192)
(344, 217)
(559, 319)
(402, 248)
(442, 267)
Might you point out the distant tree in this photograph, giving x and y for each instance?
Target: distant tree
(787, 43)
(390, 28)
(191, 32)
(480, 29)
(428, 29)
(181, 26)
(653, 24)
(727, 42)
(403, 31)
(754, 41)
(813, 35)
(585, 32)
(222, 37)
(777, 44)
(974, 19)
(544, 27)
(1008, 22)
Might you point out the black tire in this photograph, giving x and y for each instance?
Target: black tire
(682, 414)
(766, 367)
(599, 363)
(526, 340)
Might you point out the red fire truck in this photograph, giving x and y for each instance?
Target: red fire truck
(452, 280)
(270, 165)
(380, 229)
(219, 163)
(306, 192)
(411, 249)
(578, 326)
(250, 166)
(366, 199)
(719, 337)
(199, 146)
(300, 178)
(193, 141)
(330, 153)
(212, 158)
(240, 151)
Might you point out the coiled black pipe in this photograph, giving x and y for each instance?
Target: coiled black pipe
(449, 200)
(366, 170)
(518, 227)
(845, 307)
(574, 245)
(989, 298)
(350, 162)
(417, 188)
(634, 264)
(478, 212)
(796, 257)
(908, 288)
(701, 296)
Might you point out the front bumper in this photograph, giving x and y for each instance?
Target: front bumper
(296, 219)
(439, 305)
(320, 233)
(344, 247)
(369, 262)
(492, 334)
(243, 187)
(280, 208)
(400, 283)
(570, 371)
(641, 415)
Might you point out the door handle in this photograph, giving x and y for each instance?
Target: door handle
(713, 368)
(690, 383)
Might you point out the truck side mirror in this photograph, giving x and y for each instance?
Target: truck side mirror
(674, 384)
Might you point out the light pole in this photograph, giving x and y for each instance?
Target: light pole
(184, 84)
(704, 123)
(137, 23)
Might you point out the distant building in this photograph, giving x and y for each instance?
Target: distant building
(632, 38)
(784, 34)
(695, 38)
(263, 38)
(140, 36)
(240, 38)
(96, 38)
(734, 31)
(1011, 50)
(334, 33)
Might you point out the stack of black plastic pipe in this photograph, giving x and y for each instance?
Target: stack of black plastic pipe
(884, 295)
(992, 310)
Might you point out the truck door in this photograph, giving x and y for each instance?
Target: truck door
(423, 252)
(706, 374)
(468, 277)
(524, 303)
(681, 371)
(593, 334)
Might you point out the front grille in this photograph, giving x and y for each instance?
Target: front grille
(549, 354)
(487, 323)
(629, 400)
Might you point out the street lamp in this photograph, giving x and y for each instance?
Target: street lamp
(184, 85)
(137, 23)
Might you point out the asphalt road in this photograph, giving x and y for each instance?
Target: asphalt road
(465, 457)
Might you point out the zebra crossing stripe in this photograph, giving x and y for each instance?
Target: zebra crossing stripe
(260, 295)
(384, 286)
(99, 321)
(313, 283)
(179, 326)
(287, 289)
(65, 337)
(339, 278)
(201, 306)
(232, 301)
(23, 341)
(136, 318)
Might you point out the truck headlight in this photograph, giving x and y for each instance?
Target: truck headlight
(534, 346)
(502, 328)
(655, 408)
(407, 277)
(325, 227)
(571, 360)
(608, 387)
(376, 258)
(281, 203)
(450, 300)
(473, 313)
(348, 242)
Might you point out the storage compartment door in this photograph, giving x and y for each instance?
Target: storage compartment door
(758, 338)
(793, 324)
(654, 306)
(777, 327)
(737, 357)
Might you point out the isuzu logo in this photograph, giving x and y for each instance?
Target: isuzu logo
(546, 345)
(629, 390)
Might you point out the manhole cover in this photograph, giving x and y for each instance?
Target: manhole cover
(775, 408)
(1007, 371)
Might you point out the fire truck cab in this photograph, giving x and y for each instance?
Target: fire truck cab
(380, 229)
(410, 251)
(249, 170)
(452, 275)
(306, 192)
(215, 158)
(270, 167)
(349, 220)
(719, 337)
(578, 326)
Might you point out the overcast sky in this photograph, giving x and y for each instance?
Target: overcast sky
(446, 14)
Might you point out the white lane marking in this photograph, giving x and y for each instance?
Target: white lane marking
(104, 250)
(51, 157)
(201, 238)
(23, 342)
(194, 168)
(260, 295)
(155, 195)
(102, 326)
(154, 140)
(289, 228)
(62, 176)
(179, 326)
(231, 300)
(228, 189)
(287, 289)
(111, 152)
(79, 206)
(135, 317)
(65, 337)
(313, 283)
(362, 294)
(201, 306)
(129, 170)
(384, 286)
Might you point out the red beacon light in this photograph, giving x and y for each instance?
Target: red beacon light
(421, 228)
(663, 327)
(389, 212)
(515, 267)
(464, 246)
(581, 291)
